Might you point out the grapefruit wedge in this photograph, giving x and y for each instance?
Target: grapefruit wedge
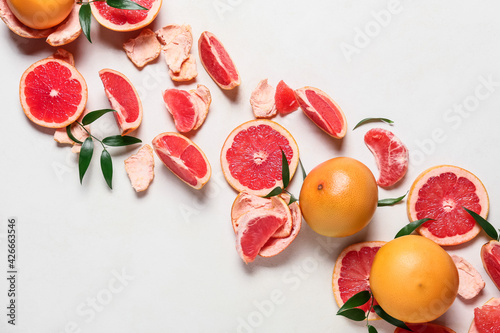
(487, 318)
(490, 256)
(322, 110)
(53, 93)
(284, 99)
(251, 156)
(184, 158)
(440, 193)
(124, 19)
(123, 98)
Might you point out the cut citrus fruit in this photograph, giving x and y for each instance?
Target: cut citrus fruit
(339, 197)
(176, 41)
(217, 61)
(490, 256)
(143, 49)
(140, 168)
(123, 19)
(390, 154)
(425, 328)
(262, 100)
(285, 99)
(322, 110)
(123, 98)
(487, 318)
(440, 193)
(53, 93)
(470, 281)
(183, 157)
(352, 272)
(251, 156)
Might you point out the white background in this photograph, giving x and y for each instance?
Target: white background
(174, 246)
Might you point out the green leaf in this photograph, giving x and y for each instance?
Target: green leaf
(410, 227)
(107, 167)
(304, 174)
(285, 171)
(487, 227)
(390, 201)
(118, 140)
(353, 314)
(71, 136)
(356, 300)
(292, 199)
(94, 115)
(371, 329)
(391, 320)
(125, 4)
(85, 15)
(85, 157)
(370, 120)
(276, 191)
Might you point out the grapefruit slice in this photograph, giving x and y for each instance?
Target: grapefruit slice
(322, 110)
(425, 328)
(487, 318)
(440, 193)
(123, 98)
(217, 61)
(490, 256)
(53, 93)
(123, 19)
(183, 157)
(390, 154)
(251, 156)
(352, 272)
(285, 99)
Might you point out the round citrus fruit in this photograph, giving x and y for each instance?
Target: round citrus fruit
(440, 193)
(414, 279)
(352, 272)
(490, 256)
(41, 14)
(339, 197)
(53, 93)
(251, 157)
(125, 19)
(425, 328)
(487, 318)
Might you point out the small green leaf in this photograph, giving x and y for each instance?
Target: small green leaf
(107, 167)
(390, 201)
(85, 15)
(276, 191)
(285, 171)
(356, 300)
(125, 4)
(94, 115)
(391, 320)
(410, 227)
(371, 329)
(292, 199)
(118, 140)
(71, 136)
(370, 120)
(353, 314)
(487, 227)
(304, 173)
(85, 157)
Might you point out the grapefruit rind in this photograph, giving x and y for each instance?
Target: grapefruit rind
(425, 328)
(460, 172)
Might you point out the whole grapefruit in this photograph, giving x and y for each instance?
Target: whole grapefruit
(339, 197)
(41, 14)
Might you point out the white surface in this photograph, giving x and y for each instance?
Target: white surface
(176, 244)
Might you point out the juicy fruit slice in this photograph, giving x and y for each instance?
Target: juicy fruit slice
(487, 318)
(251, 156)
(188, 108)
(425, 328)
(440, 193)
(36, 14)
(217, 61)
(183, 157)
(123, 98)
(285, 99)
(262, 100)
(140, 168)
(490, 256)
(470, 281)
(143, 49)
(122, 19)
(53, 93)
(390, 154)
(352, 272)
(322, 110)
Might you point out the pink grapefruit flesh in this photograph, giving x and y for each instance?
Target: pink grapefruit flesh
(490, 256)
(487, 318)
(182, 109)
(285, 99)
(425, 328)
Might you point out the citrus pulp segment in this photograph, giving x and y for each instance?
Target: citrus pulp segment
(490, 256)
(487, 317)
(285, 99)
(425, 328)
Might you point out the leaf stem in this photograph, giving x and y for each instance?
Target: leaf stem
(90, 134)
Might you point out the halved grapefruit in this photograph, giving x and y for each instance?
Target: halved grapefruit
(440, 193)
(124, 19)
(425, 328)
(352, 272)
(487, 318)
(490, 256)
(53, 93)
(123, 98)
(183, 157)
(251, 156)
